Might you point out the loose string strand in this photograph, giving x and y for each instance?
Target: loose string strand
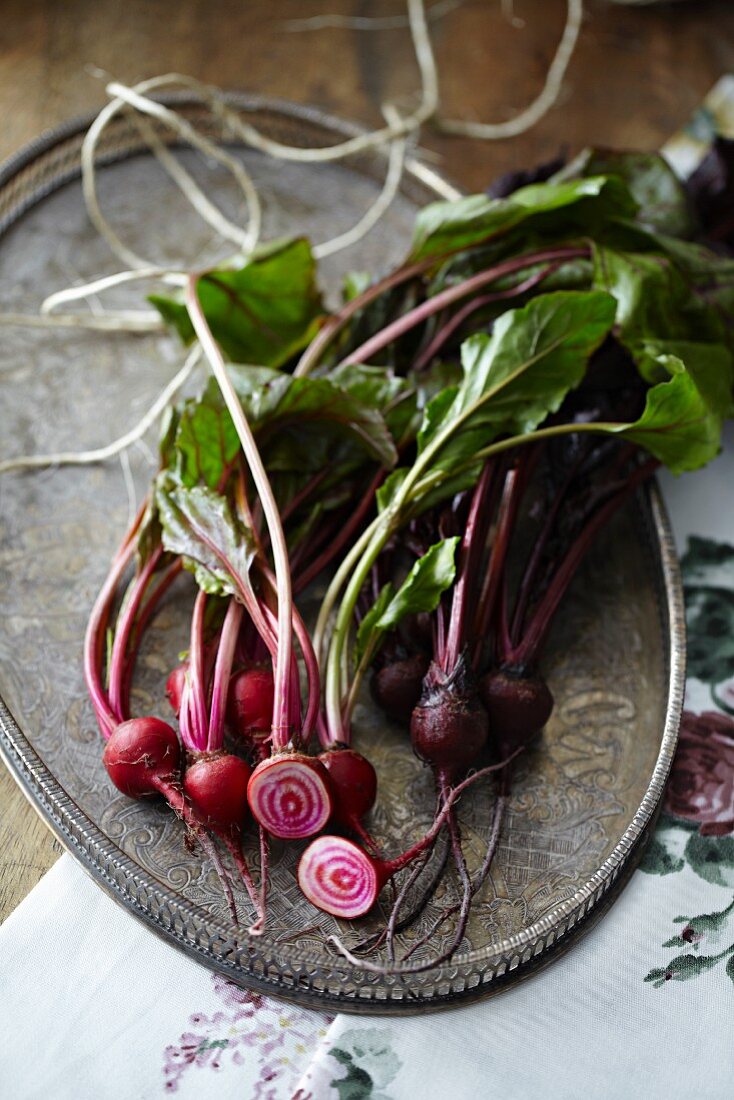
(100, 454)
(532, 114)
(136, 102)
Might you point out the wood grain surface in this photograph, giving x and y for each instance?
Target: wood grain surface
(637, 74)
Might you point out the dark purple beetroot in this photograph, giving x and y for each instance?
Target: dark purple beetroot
(518, 706)
(396, 687)
(449, 727)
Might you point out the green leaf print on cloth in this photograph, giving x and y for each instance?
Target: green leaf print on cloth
(696, 829)
(358, 1067)
(708, 580)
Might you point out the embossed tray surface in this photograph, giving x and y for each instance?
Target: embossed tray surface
(583, 800)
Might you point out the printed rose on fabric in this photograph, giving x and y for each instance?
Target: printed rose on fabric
(701, 788)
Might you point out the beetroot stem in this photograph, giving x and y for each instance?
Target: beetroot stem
(337, 321)
(495, 568)
(471, 545)
(223, 673)
(197, 677)
(123, 630)
(526, 652)
(446, 331)
(366, 352)
(313, 678)
(282, 671)
(153, 599)
(97, 625)
(346, 533)
(530, 571)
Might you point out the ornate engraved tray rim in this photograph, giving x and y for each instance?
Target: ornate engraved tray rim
(469, 976)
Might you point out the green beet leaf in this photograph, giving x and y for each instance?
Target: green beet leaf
(678, 426)
(515, 378)
(444, 227)
(658, 191)
(655, 299)
(198, 524)
(421, 590)
(271, 399)
(206, 439)
(264, 312)
(295, 420)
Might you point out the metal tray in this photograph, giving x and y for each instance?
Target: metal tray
(584, 801)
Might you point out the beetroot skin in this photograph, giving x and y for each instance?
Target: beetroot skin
(142, 756)
(518, 706)
(449, 727)
(250, 702)
(353, 783)
(216, 786)
(174, 687)
(396, 687)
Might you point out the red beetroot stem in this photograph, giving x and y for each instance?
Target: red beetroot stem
(168, 577)
(337, 321)
(303, 494)
(366, 352)
(223, 673)
(97, 625)
(345, 535)
(197, 676)
(471, 547)
(313, 678)
(530, 572)
(526, 651)
(495, 568)
(531, 569)
(123, 630)
(447, 330)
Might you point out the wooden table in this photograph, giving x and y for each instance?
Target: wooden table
(636, 76)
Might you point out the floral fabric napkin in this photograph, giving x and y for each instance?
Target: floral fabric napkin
(95, 1006)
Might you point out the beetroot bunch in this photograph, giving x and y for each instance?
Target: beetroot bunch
(438, 454)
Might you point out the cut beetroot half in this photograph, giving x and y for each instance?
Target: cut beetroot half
(339, 878)
(290, 796)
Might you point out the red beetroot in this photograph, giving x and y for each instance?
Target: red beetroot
(518, 705)
(175, 686)
(250, 702)
(143, 757)
(339, 877)
(396, 687)
(216, 785)
(353, 785)
(449, 727)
